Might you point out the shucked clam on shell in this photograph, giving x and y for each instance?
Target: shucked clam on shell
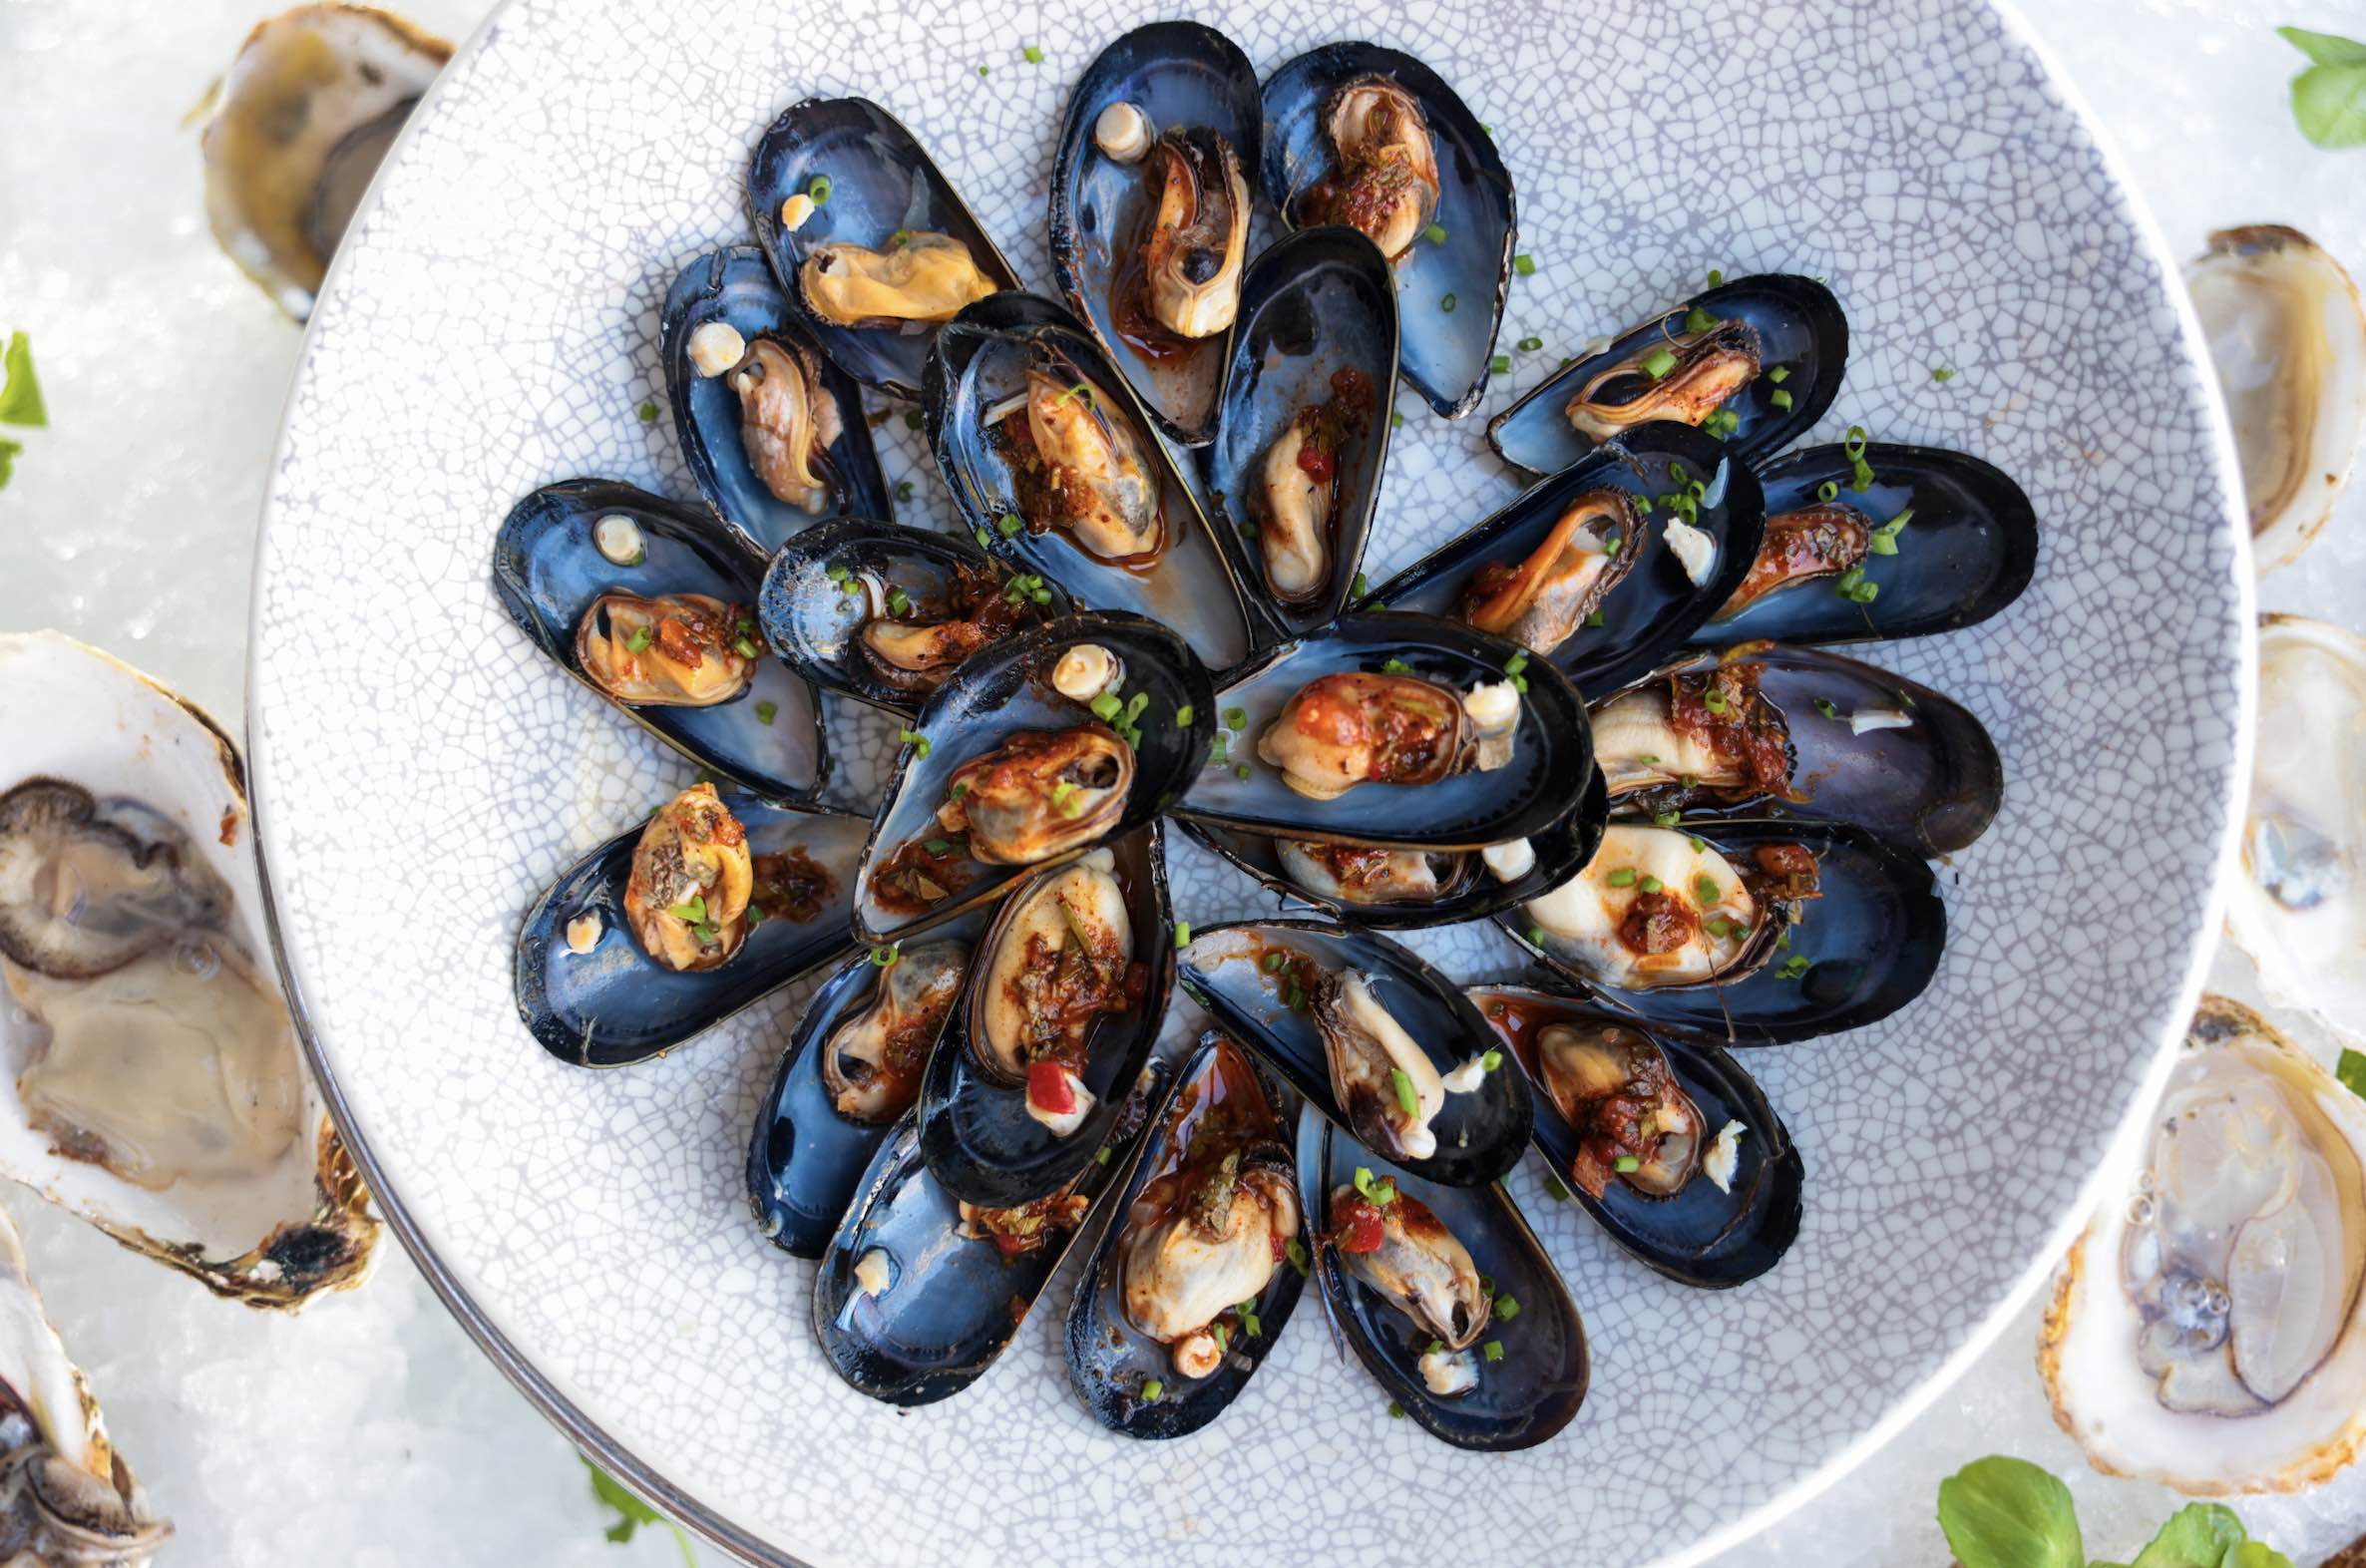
(2209, 1331)
(149, 1076)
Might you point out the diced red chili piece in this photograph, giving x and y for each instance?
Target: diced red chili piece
(1049, 1088)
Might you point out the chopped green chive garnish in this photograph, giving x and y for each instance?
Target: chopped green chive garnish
(1101, 1155)
(1491, 1061)
(937, 846)
(1529, 345)
(1295, 1252)
(1778, 399)
(1396, 1412)
(1493, 1349)
(836, 572)
(1403, 1082)
(1668, 819)
(1536, 936)
(1779, 374)
(1152, 1388)
(1447, 304)
(898, 602)
(1792, 966)
(1698, 320)
(981, 71)
(1610, 543)
(1395, 666)
(912, 419)
(904, 490)
(1182, 934)
(983, 539)
(1274, 963)
(640, 639)
(1628, 1164)
(1524, 264)
(1715, 277)
(649, 413)
(1554, 1190)
(881, 958)
(1356, 589)
(1827, 491)
(1594, 619)
(1395, 421)
(914, 739)
(1251, 1325)
(1184, 716)
(1517, 663)
(818, 191)
(1236, 719)
(1034, 56)
(1435, 233)
(1009, 522)
(1881, 544)
(1624, 876)
(1242, 772)
(692, 910)
(1649, 884)
(1507, 1306)
(1704, 887)
(1501, 364)
(1823, 705)
(1941, 373)
(766, 712)
(1658, 363)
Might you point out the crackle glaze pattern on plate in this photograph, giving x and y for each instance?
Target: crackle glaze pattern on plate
(423, 772)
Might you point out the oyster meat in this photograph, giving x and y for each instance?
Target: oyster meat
(1396, 1244)
(912, 646)
(1819, 540)
(1060, 958)
(87, 887)
(1077, 463)
(1650, 909)
(2300, 908)
(674, 651)
(918, 277)
(1341, 730)
(1298, 490)
(1358, 874)
(871, 1062)
(1538, 601)
(2288, 336)
(1684, 377)
(2207, 1332)
(1708, 732)
(1385, 183)
(687, 896)
(1634, 1121)
(1384, 1083)
(1197, 233)
(1039, 794)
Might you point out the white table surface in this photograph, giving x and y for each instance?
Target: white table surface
(370, 1431)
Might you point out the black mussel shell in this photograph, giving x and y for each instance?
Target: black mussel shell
(733, 285)
(982, 357)
(1183, 76)
(979, 1139)
(1560, 850)
(1968, 551)
(1934, 782)
(1657, 604)
(1469, 810)
(952, 1301)
(879, 181)
(1450, 292)
(1480, 1135)
(616, 1005)
(1008, 688)
(1697, 1235)
(1521, 1398)
(804, 1157)
(547, 572)
(1800, 329)
(1110, 1362)
(1860, 951)
(812, 622)
(1318, 327)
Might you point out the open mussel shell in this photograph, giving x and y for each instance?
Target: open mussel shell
(1518, 1400)
(1008, 688)
(1655, 604)
(980, 361)
(1225, 969)
(614, 1004)
(1181, 76)
(1862, 950)
(1450, 292)
(879, 181)
(812, 621)
(1110, 1361)
(1698, 1235)
(734, 288)
(979, 1141)
(1967, 552)
(1472, 891)
(1529, 793)
(547, 572)
(804, 1156)
(1800, 330)
(952, 1301)
(1318, 325)
(1867, 747)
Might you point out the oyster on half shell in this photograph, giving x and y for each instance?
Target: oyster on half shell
(150, 1074)
(2207, 1330)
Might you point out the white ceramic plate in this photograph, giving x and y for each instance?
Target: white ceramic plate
(422, 772)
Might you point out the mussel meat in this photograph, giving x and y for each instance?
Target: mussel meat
(1385, 183)
(1341, 730)
(88, 886)
(1203, 1238)
(1298, 490)
(1821, 539)
(1078, 465)
(787, 419)
(1362, 874)
(1039, 793)
(1657, 907)
(1541, 601)
(1061, 957)
(691, 882)
(1384, 1082)
(1396, 1244)
(920, 276)
(1198, 233)
(912, 644)
(1705, 731)
(677, 649)
(1634, 1121)
(1683, 376)
(871, 1062)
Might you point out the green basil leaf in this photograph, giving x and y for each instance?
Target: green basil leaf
(2001, 1512)
(2331, 104)
(19, 391)
(2324, 48)
(2351, 1070)
(2255, 1554)
(2199, 1535)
